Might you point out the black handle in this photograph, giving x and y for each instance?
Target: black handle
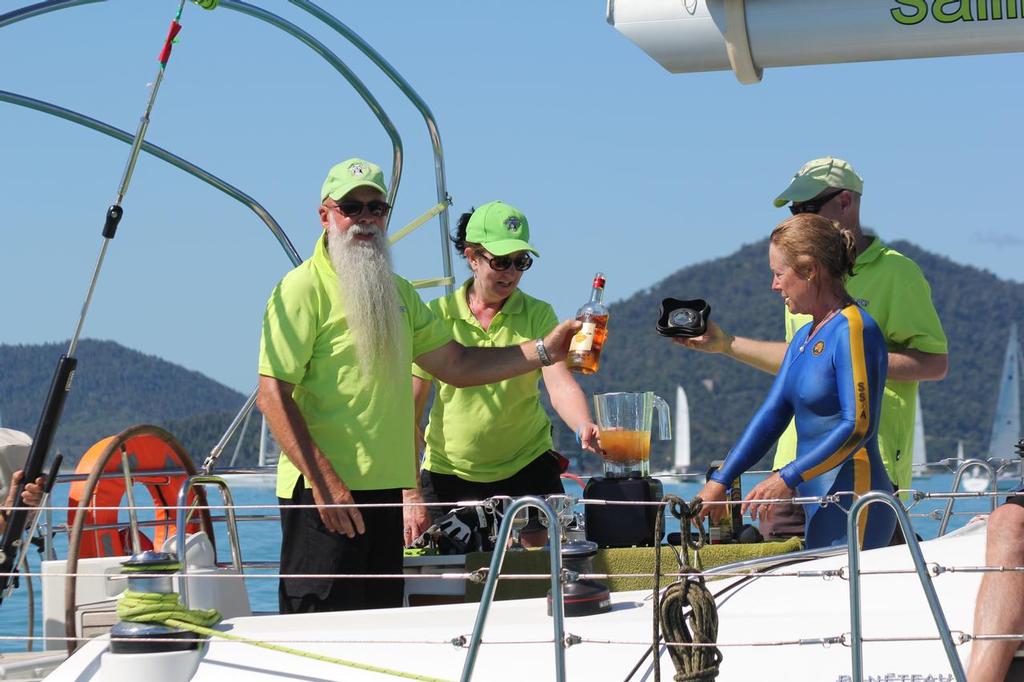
(48, 422)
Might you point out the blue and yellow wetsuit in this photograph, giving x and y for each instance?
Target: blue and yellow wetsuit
(832, 384)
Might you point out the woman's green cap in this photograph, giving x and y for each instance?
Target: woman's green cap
(818, 175)
(500, 228)
(349, 175)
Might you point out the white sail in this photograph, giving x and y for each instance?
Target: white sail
(682, 458)
(920, 452)
(269, 450)
(1006, 423)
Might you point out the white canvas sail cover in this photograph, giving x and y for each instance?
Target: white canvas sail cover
(682, 445)
(14, 447)
(1006, 423)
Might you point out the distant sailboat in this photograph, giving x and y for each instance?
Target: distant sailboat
(269, 450)
(1006, 423)
(920, 460)
(682, 432)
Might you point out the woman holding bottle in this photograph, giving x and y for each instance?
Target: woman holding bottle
(495, 439)
(831, 381)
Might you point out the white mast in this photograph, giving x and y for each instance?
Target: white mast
(682, 429)
(920, 452)
(1006, 422)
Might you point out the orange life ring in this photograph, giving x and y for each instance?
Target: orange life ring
(146, 452)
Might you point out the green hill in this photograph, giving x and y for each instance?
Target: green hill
(116, 387)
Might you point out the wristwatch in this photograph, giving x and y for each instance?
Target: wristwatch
(542, 353)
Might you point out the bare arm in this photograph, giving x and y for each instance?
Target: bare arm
(291, 433)
(570, 403)
(414, 516)
(463, 366)
(763, 355)
(915, 365)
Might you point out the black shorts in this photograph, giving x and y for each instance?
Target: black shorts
(308, 547)
(542, 476)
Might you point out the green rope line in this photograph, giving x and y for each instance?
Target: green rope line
(151, 607)
(143, 607)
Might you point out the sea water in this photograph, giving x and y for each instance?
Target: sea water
(261, 540)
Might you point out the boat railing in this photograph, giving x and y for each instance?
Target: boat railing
(961, 472)
(487, 598)
(183, 519)
(914, 547)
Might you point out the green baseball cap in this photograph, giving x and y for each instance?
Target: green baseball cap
(500, 228)
(348, 175)
(818, 175)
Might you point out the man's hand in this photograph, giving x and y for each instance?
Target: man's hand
(345, 520)
(556, 343)
(32, 495)
(714, 340)
(415, 518)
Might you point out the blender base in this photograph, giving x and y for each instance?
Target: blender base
(622, 525)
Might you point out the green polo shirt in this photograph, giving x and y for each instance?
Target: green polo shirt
(893, 290)
(362, 424)
(488, 433)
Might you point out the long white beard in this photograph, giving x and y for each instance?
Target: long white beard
(369, 297)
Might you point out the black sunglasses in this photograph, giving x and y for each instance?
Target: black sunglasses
(521, 262)
(814, 205)
(350, 208)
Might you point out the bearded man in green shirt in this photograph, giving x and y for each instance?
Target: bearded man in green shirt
(890, 286)
(340, 333)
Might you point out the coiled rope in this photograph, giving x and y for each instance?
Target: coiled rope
(700, 625)
(166, 609)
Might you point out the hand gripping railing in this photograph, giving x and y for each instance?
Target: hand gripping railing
(856, 634)
(960, 471)
(185, 513)
(557, 607)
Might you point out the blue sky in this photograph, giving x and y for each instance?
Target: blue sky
(619, 165)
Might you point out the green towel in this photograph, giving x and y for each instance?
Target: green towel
(617, 560)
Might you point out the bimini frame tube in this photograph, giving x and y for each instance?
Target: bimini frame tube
(487, 597)
(417, 101)
(163, 155)
(856, 632)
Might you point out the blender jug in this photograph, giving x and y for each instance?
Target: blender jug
(624, 422)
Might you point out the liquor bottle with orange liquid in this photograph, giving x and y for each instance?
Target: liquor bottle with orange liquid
(585, 349)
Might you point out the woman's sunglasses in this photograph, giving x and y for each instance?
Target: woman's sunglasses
(350, 208)
(521, 262)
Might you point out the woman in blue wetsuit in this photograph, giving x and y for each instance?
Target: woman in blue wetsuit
(831, 381)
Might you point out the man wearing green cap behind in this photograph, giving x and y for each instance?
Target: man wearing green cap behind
(484, 441)
(887, 284)
(340, 332)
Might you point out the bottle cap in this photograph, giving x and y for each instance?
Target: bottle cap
(599, 280)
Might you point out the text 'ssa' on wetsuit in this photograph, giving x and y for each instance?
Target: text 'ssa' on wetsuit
(832, 384)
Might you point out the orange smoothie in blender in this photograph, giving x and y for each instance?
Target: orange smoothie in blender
(624, 446)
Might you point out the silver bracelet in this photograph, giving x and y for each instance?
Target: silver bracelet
(542, 353)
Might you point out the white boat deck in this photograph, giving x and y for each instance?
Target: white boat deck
(518, 634)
